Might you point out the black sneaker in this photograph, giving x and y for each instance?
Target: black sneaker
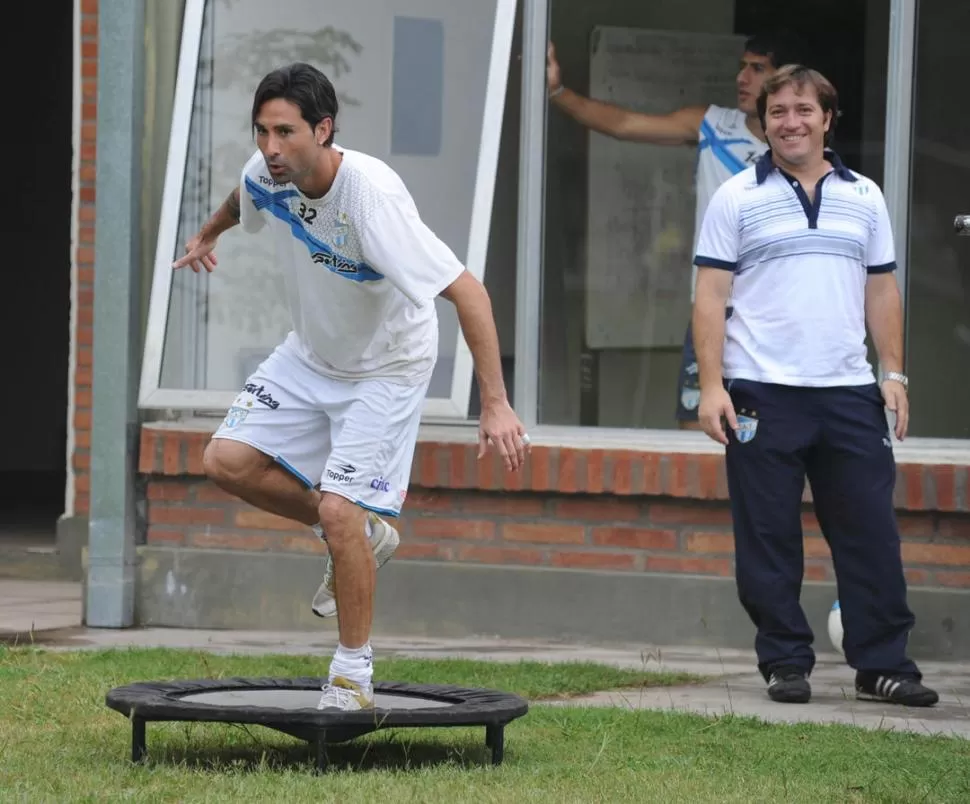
(901, 690)
(789, 685)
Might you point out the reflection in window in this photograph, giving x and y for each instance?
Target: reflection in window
(619, 215)
(220, 326)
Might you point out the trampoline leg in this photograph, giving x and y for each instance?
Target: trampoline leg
(320, 753)
(137, 739)
(495, 739)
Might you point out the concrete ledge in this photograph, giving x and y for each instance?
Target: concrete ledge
(234, 590)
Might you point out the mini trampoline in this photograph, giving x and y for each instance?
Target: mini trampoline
(289, 705)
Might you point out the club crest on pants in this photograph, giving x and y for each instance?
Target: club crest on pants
(747, 428)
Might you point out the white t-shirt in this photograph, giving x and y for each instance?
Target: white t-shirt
(799, 273)
(362, 269)
(725, 147)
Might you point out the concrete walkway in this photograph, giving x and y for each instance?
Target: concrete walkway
(48, 615)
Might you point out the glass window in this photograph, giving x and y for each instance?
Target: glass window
(938, 296)
(421, 85)
(621, 207)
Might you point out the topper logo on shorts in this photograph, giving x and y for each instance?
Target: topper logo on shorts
(380, 484)
(262, 395)
(342, 473)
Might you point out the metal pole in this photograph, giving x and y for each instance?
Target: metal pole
(531, 170)
(114, 426)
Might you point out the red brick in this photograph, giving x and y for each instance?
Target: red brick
(185, 515)
(499, 555)
(82, 460)
(89, 132)
(89, 49)
(622, 473)
(82, 397)
(146, 450)
(709, 468)
(211, 493)
(89, 7)
(944, 481)
(915, 526)
(254, 519)
(168, 492)
(305, 544)
(568, 460)
(89, 69)
(425, 467)
(817, 548)
(687, 514)
(82, 419)
(421, 499)
(917, 577)
(912, 480)
(85, 318)
(810, 523)
(87, 194)
(418, 551)
(87, 213)
(88, 152)
(195, 446)
(85, 254)
(232, 541)
(434, 528)
(82, 439)
(710, 543)
(454, 455)
(696, 566)
(165, 536)
(505, 505)
(598, 509)
(956, 528)
(82, 376)
(947, 554)
(85, 336)
(89, 94)
(677, 469)
(171, 454)
(594, 471)
(82, 482)
(539, 479)
(816, 572)
(638, 538)
(953, 579)
(652, 478)
(82, 503)
(89, 27)
(593, 561)
(543, 534)
(85, 275)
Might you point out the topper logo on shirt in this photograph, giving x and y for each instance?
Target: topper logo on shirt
(340, 264)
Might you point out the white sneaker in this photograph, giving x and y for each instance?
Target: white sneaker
(384, 540)
(345, 695)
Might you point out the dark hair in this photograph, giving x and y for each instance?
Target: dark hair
(780, 47)
(799, 76)
(304, 85)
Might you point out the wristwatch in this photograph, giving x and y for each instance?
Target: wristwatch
(902, 379)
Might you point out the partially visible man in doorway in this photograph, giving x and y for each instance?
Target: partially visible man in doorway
(803, 248)
(728, 140)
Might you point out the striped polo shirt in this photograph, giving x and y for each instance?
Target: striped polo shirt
(800, 271)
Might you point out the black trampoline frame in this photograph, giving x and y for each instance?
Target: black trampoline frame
(163, 701)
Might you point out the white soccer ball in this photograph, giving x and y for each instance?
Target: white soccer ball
(835, 627)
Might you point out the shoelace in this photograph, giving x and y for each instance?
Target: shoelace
(343, 695)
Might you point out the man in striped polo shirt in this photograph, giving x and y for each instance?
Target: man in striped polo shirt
(802, 249)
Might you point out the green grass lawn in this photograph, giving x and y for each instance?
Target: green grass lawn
(59, 742)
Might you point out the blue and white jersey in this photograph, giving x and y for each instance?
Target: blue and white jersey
(725, 147)
(362, 269)
(800, 271)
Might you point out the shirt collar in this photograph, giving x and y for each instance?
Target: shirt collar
(764, 166)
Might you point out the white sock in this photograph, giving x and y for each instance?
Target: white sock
(354, 664)
(317, 529)
(368, 530)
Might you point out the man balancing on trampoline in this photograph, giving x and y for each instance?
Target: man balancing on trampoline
(324, 431)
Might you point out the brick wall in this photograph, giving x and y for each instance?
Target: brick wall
(459, 510)
(84, 256)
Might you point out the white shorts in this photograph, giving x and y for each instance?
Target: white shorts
(355, 439)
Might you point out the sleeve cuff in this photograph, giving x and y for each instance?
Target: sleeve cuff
(881, 269)
(711, 262)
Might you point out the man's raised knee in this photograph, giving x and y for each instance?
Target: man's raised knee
(229, 464)
(340, 518)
